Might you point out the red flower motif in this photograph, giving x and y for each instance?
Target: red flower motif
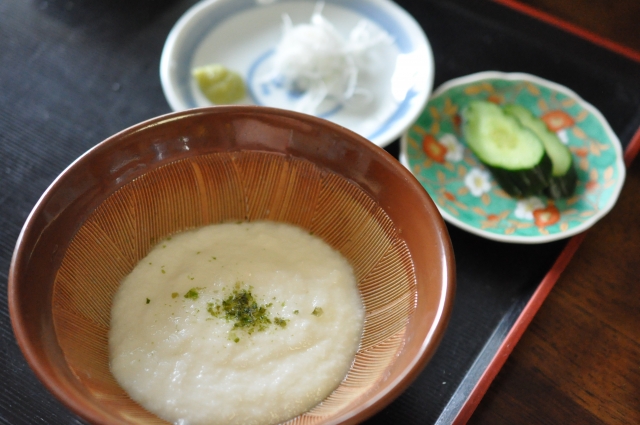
(493, 217)
(546, 216)
(433, 149)
(457, 120)
(450, 196)
(582, 152)
(591, 185)
(557, 120)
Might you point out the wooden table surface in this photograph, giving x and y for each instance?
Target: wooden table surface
(579, 360)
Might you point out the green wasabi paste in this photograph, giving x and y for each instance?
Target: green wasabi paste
(219, 84)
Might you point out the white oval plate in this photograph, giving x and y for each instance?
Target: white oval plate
(242, 35)
(435, 151)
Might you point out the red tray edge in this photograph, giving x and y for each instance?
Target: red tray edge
(530, 310)
(552, 276)
(571, 28)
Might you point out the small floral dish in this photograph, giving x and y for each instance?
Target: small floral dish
(464, 190)
(243, 35)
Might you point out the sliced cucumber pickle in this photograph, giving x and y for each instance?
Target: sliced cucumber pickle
(513, 153)
(564, 178)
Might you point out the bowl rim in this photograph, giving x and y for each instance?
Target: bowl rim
(392, 389)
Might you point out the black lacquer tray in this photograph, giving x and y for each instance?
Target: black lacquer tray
(74, 73)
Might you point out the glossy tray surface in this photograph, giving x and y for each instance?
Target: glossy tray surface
(74, 73)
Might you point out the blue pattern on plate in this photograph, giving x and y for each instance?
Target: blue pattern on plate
(200, 31)
(226, 10)
(402, 109)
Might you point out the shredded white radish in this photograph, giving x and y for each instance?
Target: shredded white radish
(315, 60)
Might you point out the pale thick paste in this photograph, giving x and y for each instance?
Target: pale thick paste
(181, 363)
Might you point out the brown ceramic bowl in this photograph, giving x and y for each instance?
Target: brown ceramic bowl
(192, 168)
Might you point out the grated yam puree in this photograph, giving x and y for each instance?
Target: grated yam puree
(189, 366)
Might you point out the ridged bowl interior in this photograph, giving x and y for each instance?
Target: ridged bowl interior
(225, 187)
(404, 273)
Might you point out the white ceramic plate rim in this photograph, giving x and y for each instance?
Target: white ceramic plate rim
(390, 130)
(560, 89)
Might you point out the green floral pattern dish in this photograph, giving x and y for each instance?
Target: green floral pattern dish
(434, 149)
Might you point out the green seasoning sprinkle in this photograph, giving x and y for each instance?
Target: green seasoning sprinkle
(192, 294)
(242, 309)
(317, 311)
(280, 322)
(174, 295)
(148, 300)
(296, 311)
